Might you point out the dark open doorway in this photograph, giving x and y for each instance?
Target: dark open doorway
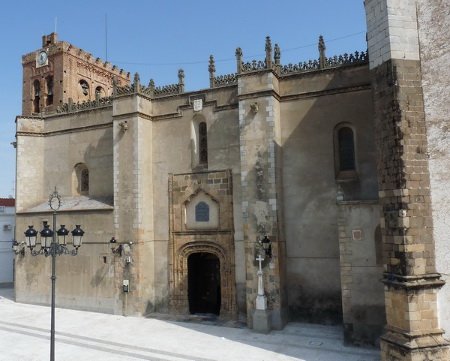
(204, 283)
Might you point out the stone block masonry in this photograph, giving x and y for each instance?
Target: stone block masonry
(410, 278)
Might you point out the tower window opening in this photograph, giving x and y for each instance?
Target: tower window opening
(37, 96)
(346, 149)
(49, 100)
(84, 87)
(203, 143)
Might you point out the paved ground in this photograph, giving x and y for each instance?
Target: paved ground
(24, 336)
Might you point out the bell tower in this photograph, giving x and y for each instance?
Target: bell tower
(58, 71)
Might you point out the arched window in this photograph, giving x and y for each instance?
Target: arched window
(36, 96)
(49, 100)
(81, 179)
(344, 152)
(203, 143)
(202, 212)
(84, 88)
(84, 183)
(99, 92)
(346, 147)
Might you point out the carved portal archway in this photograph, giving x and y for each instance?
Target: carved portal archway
(179, 295)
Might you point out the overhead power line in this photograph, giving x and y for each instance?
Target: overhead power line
(233, 59)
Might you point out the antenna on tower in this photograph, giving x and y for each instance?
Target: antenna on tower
(56, 23)
(106, 37)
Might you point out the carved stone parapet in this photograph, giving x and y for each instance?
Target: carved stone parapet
(253, 65)
(72, 107)
(169, 89)
(326, 63)
(224, 80)
(151, 90)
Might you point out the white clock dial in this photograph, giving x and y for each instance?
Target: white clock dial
(42, 58)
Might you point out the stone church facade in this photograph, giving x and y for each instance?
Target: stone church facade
(339, 161)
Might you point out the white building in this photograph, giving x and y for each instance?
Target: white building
(7, 225)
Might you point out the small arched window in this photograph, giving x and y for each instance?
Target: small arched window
(202, 212)
(36, 96)
(81, 179)
(203, 143)
(99, 92)
(346, 149)
(84, 183)
(84, 88)
(49, 82)
(344, 152)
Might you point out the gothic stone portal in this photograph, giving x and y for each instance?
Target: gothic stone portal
(202, 261)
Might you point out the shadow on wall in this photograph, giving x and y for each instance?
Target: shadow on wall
(310, 186)
(99, 161)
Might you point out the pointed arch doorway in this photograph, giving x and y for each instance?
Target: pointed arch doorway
(204, 288)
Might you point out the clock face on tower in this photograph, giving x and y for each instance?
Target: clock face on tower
(42, 58)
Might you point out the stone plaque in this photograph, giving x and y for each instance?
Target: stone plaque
(198, 105)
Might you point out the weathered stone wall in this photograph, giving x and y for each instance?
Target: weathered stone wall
(86, 281)
(434, 38)
(361, 265)
(391, 30)
(47, 151)
(30, 162)
(313, 105)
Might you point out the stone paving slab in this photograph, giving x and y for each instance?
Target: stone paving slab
(80, 335)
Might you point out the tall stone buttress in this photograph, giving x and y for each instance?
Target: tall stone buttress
(410, 276)
(260, 140)
(133, 200)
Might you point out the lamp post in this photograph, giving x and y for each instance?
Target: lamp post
(50, 246)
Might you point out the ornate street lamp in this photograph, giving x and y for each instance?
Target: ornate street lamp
(52, 246)
(266, 244)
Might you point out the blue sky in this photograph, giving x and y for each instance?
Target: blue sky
(157, 37)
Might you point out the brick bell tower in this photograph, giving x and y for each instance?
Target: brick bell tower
(59, 72)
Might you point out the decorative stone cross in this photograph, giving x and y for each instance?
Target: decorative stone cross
(261, 300)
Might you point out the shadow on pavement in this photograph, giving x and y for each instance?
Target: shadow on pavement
(7, 291)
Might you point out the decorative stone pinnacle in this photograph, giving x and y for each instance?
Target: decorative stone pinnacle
(151, 87)
(321, 43)
(212, 66)
(277, 54)
(322, 57)
(268, 52)
(238, 54)
(180, 76)
(136, 82)
(212, 70)
(181, 80)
